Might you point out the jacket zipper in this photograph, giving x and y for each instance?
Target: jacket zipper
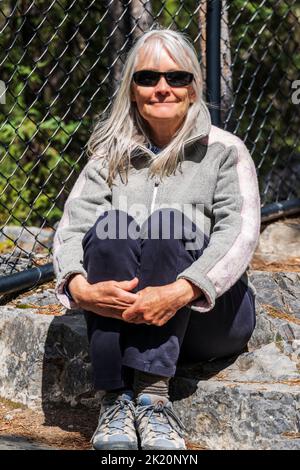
(157, 183)
(154, 196)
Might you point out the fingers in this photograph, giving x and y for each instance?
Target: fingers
(128, 285)
(133, 314)
(113, 306)
(123, 286)
(130, 315)
(139, 318)
(124, 298)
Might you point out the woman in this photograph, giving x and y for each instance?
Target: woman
(155, 240)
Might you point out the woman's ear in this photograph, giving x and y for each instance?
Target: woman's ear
(192, 95)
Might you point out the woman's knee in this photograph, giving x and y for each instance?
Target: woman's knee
(166, 223)
(112, 224)
(112, 231)
(175, 230)
(107, 250)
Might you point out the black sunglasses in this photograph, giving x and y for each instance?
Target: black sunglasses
(151, 78)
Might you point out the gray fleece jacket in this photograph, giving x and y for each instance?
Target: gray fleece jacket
(217, 178)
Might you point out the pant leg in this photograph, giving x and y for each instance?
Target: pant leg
(223, 331)
(164, 235)
(189, 336)
(117, 346)
(107, 259)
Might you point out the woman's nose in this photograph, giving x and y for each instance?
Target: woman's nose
(162, 85)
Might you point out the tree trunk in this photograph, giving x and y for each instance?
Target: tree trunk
(202, 31)
(117, 31)
(141, 17)
(226, 72)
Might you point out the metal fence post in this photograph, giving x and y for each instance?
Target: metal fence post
(213, 60)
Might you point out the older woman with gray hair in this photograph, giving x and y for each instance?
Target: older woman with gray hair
(154, 243)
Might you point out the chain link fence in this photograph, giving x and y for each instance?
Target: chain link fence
(60, 65)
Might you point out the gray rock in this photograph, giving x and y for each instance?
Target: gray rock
(277, 307)
(11, 263)
(47, 297)
(228, 415)
(28, 237)
(44, 358)
(275, 239)
(8, 442)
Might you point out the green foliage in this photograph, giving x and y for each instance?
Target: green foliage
(57, 83)
(265, 40)
(52, 78)
(32, 168)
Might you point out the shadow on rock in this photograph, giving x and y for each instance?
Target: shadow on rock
(188, 376)
(68, 398)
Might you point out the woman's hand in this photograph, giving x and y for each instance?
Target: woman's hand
(157, 305)
(105, 298)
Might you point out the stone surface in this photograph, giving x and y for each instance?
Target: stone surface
(13, 263)
(277, 307)
(232, 415)
(247, 402)
(28, 237)
(20, 443)
(21, 247)
(279, 241)
(44, 358)
(46, 297)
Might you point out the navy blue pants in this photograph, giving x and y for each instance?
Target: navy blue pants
(118, 347)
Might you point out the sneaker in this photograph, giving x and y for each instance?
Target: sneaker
(157, 424)
(116, 428)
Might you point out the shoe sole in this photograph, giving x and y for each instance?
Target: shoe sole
(162, 448)
(120, 446)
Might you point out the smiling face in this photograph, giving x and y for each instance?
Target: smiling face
(161, 104)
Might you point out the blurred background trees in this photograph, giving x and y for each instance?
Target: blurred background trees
(62, 62)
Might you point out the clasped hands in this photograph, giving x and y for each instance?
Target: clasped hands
(151, 305)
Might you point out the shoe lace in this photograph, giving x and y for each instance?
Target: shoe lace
(115, 416)
(161, 415)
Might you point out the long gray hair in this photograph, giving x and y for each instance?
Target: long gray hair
(124, 132)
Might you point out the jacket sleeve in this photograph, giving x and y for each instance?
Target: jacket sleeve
(235, 234)
(89, 197)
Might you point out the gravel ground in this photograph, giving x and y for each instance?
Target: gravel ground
(64, 428)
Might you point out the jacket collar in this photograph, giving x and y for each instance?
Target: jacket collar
(202, 127)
